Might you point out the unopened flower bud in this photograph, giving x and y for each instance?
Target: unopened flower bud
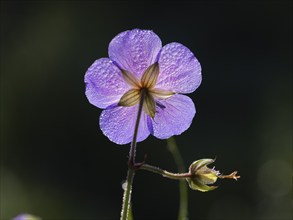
(202, 176)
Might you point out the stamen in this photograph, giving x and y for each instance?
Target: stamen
(160, 105)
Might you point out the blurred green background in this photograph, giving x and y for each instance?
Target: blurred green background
(55, 162)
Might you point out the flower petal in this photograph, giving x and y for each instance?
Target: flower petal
(180, 71)
(135, 50)
(118, 122)
(104, 83)
(173, 116)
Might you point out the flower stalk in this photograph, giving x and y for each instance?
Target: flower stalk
(132, 151)
(165, 173)
(132, 165)
(127, 194)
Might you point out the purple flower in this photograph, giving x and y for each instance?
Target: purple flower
(139, 65)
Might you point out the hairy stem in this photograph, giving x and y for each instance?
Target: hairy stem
(183, 189)
(131, 163)
(127, 194)
(164, 173)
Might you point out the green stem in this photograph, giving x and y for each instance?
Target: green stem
(172, 147)
(130, 217)
(183, 189)
(131, 163)
(164, 173)
(127, 194)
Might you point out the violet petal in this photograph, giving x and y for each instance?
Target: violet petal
(180, 71)
(135, 50)
(118, 123)
(175, 118)
(104, 83)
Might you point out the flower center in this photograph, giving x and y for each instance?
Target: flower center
(144, 89)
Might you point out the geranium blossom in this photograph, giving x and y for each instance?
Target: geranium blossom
(139, 66)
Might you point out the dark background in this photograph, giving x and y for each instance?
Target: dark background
(55, 161)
